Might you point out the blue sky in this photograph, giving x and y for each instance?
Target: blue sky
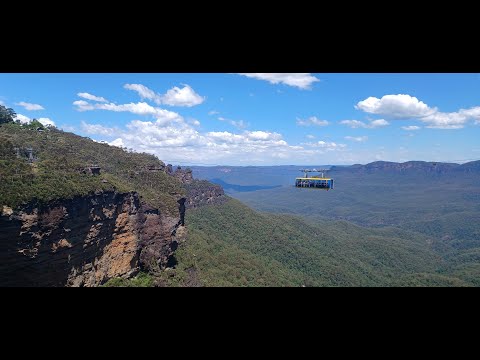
(261, 118)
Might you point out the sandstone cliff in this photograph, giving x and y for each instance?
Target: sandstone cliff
(84, 241)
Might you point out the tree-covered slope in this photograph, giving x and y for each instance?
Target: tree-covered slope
(59, 161)
(231, 244)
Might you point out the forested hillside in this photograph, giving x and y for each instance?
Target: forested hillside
(59, 168)
(232, 245)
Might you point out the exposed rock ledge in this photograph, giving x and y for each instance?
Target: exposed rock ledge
(84, 241)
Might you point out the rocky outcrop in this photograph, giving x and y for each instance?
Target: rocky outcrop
(158, 241)
(84, 241)
(201, 192)
(184, 175)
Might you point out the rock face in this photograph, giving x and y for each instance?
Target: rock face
(201, 192)
(185, 176)
(84, 241)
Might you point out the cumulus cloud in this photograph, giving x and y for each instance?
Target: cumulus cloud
(411, 128)
(92, 97)
(30, 106)
(141, 108)
(402, 106)
(98, 129)
(309, 136)
(313, 120)
(46, 121)
(182, 97)
(441, 120)
(43, 120)
(176, 96)
(354, 124)
(300, 80)
(357, 139)
(399, 106)
(180, 141)
(117, 142)
(23, 119)
(213, 112)
(473, 112)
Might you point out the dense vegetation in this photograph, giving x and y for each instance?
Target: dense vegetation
(233, 245)
(443, 206)
(57, 170)
(7, 115)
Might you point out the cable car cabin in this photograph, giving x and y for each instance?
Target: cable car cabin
(314, 183)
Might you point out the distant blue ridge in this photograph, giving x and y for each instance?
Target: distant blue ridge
(241, 188)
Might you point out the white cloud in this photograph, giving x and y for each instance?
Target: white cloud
(441, 120)
(182, 97)
(179, 141)
(142, 90)
(117, 142)
(213, 112)
(378, 123)
(329, 146)
(30, 106)
(357, 139)
(300, 80)
(263, 135)
(46, 121)
(354, 124)
(452, 120)
(98, 129)
(92, 97)
(313, 120)
(240, 124)
(309, 136)
(83, 105)
(411, 128)
(43, 120)
(1, 102)
(473, 112)
(404, 106)
(194, 122)
(399, 106)
(176, 96)
(23, 119)
(141, 108)
(68, 128)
